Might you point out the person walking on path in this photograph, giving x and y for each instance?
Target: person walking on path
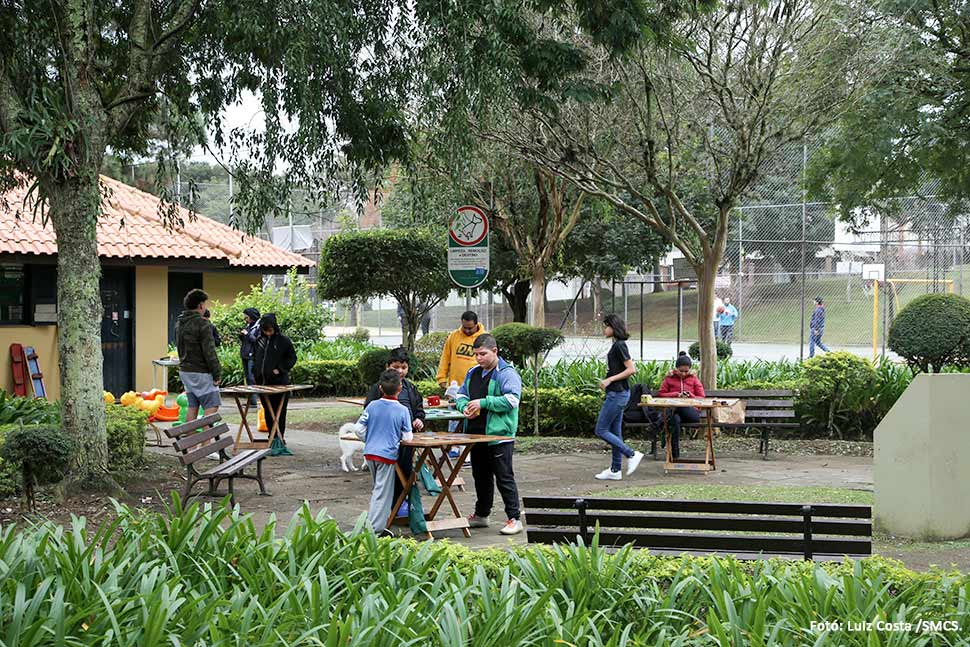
(609, 425)
(816, 328)
(458, 356)
(199, 367)
(248, 336)
(680, 383)
(489, 398)
(383, 425)
(727, 319)
(273, 360)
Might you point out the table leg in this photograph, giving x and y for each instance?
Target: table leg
(670, 454)
(459, 482)
(446, 488)
(408, 483)
(709, 458)
(276, 420)
(244, 424)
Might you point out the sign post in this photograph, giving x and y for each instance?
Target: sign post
(468, 257)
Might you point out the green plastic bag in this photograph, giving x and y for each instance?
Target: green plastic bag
(427, 480)
(416, 519)
(279, 449)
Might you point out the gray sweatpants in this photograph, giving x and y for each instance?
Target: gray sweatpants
(383, 477)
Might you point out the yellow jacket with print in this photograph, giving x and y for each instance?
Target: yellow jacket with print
(458, 357)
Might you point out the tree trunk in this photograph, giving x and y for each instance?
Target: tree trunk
(705, 329)
(74, 208)
(597, 300)
(658, 285)
(518, 299)
(538, 315)
(411, 323)
(354, 314)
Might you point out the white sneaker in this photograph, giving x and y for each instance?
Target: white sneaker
(511, 527)
(633, 463)
(213, 456)
(610, 475)
(477, 522)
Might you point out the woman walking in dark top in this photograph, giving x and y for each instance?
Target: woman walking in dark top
(609, 425)
(272, 361)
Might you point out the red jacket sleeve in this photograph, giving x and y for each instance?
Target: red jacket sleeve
(669, 388)
(697, 388)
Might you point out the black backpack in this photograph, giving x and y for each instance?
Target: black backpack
(634, 413)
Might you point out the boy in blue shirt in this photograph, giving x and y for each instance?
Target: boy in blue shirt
(382, 427)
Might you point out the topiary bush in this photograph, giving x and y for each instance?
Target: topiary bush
(329, 376)
(837, 393)
(723, 350)
(43, 454)
(371, 364)
(126, 437)
(358, 335)
(518, 342)
(932, 331)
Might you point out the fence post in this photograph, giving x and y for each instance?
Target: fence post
(581, 506)
(807, 518)
(641, 320)
(801, 335)
(680, 313)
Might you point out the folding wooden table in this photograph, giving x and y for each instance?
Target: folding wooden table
(706, 464)
(241, 395)
(427, 442)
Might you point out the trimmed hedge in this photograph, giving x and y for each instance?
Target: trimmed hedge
(932, 331)
(329, 377)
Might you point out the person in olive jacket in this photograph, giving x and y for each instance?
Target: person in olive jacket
(272, 361)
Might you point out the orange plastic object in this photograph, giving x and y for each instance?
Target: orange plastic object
(166, 414)
(154, 393)
(262, 421)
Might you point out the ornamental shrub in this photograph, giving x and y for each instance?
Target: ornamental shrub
(433, 342)
(518, 342)
(329, 376)
(28, 411)
(932, 331)
(358, 335)
(126, 436)
(724, 350)
(43, 454)
(837, 393)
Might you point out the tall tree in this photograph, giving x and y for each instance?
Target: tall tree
(690, 121)
(338, 82)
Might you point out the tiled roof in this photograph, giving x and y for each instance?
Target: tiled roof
(130, 228)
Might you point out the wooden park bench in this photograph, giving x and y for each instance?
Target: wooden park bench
(194, 441)
(765, 411)
(817, 531)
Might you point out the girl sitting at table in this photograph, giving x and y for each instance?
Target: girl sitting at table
(680, 383)
(398, 360)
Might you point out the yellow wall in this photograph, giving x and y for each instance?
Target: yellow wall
(151, 323)
(44, 341)
(224, 286)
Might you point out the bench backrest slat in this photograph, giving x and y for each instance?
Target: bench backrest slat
(195, 456)
(709, 507)
(188, 441)
(751, 394)
(791, 525)
(193, 425)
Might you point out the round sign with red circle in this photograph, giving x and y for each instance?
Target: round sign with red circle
(469, 226)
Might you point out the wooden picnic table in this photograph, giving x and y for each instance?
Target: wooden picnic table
(241, 395)
(706, 464)
(444, 471)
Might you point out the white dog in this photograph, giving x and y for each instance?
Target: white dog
(348, 446)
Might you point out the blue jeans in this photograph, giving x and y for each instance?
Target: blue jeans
(609, 426)
(813, 341)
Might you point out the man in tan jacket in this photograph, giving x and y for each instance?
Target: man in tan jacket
(458, 355)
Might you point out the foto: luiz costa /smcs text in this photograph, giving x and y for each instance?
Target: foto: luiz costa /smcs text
(889, 626)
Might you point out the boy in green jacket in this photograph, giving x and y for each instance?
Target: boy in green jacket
(489, 398)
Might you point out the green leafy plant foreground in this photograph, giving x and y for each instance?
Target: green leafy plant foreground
(211, 577)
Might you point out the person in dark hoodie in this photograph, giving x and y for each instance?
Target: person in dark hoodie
(399, 360)
(199, 367)
(248, 335)
(273, 358)
(215, 331)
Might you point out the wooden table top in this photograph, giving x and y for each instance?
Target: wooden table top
(435, 439)
(250, 389)
(697, 403)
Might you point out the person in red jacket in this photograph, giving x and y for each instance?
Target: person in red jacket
(680, 383)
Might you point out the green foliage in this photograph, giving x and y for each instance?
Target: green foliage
(339, 348)
(932, 331)
(232, 369)
(305, 581)
(433, 342)
(371, 364)
(27, 410)
(299, 318)
(519, 342)
(42, 452)
(428, 387)
(562, 412)
(409, 265)
(329, 376)
(724, 351)
(837, 393)
(358, 335)
(126, 437)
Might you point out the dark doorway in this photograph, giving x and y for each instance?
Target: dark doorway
(179, 284)
(117, 328)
